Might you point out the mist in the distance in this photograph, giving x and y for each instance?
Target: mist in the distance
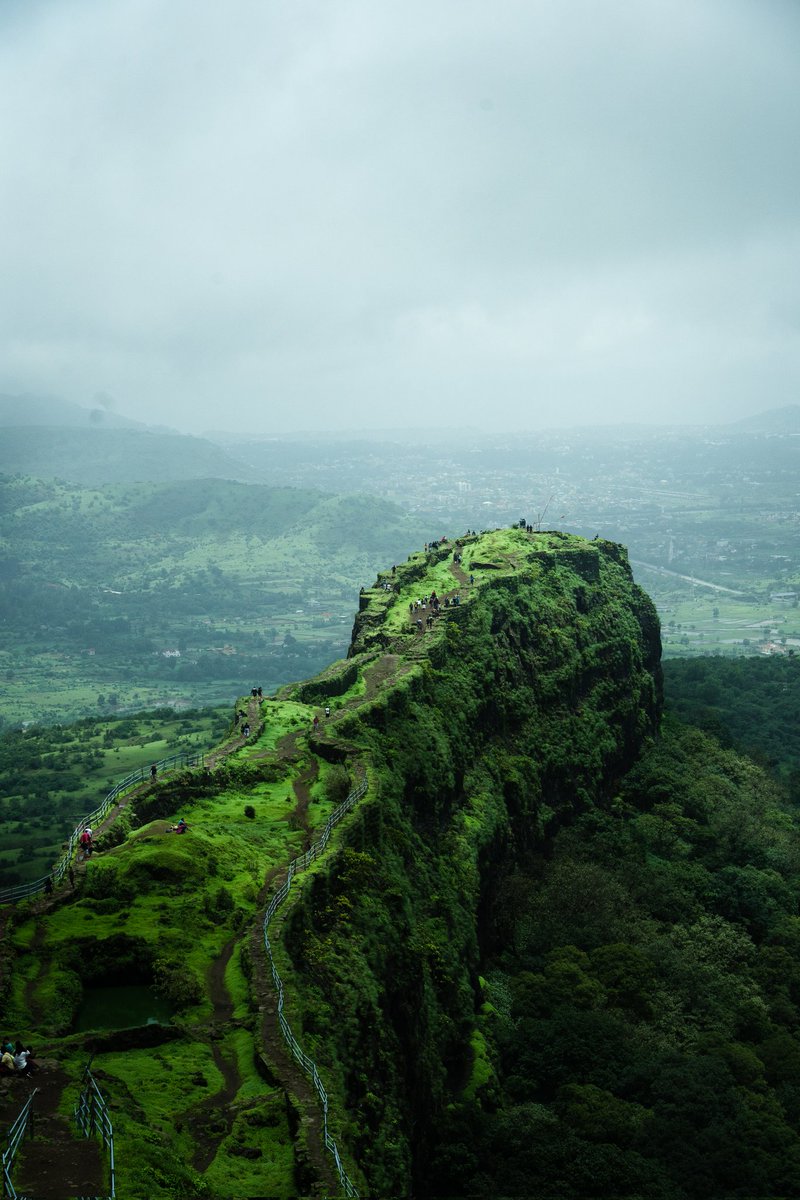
(321, 216)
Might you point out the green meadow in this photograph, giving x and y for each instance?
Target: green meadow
(52, 776)
(696, 621)
(174, 911)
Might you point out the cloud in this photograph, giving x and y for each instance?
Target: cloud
(359, 214)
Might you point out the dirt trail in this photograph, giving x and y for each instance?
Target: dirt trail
(460, 574)
(378, 673)
(213, 1119)
(56, 1161)
(295, 1083)
(254, 720)
(302, 790)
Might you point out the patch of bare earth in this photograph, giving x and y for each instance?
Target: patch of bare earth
(212, 1120)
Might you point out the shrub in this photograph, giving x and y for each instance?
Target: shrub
(176, 983)
(337, 784)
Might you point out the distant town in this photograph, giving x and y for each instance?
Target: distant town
(711, 517)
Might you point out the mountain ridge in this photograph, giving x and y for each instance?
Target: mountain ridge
(410, 708)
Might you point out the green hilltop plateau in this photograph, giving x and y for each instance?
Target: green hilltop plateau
(550, 949)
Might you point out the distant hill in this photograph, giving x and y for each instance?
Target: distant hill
(52, 438)
(50, 410)
(774, 420)
(177, 592)
(91, 456)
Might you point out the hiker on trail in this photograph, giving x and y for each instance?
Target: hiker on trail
(254, 692)
(236, 720)
(327, 710)
(7, 1061)
(246, 730)
(48, 886)
(86, 843)
(71, 874)
(316, 724)
(260, 693)
(472, 578)
(153, 772)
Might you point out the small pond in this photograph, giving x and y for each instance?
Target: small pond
(121, 1008)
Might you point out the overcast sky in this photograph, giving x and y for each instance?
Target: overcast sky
(364, 214)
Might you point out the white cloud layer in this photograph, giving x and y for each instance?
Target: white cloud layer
(358, 214)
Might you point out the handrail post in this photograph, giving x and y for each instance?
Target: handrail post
(23, 891)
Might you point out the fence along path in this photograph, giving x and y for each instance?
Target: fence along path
(304, 1061)
(57, 1161)
(176, 761)
(22, 891)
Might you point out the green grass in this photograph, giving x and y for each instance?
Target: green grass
(280, 717)
(689, 625)
(238, 988)
(69, 770)
(183, 900)
(263, 1127)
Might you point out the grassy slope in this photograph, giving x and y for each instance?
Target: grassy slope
(51, 777)
(166, 906)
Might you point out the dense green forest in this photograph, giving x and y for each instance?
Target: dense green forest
(640, 1021)
(750, 703)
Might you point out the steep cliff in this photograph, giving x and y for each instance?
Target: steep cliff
(481, 731)
(497, 689)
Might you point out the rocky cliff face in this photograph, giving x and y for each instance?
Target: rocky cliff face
(481, 728)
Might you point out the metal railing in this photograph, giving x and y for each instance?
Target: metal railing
(307, 1063)
(93, 1119)
(15, 1135)
(22, 891)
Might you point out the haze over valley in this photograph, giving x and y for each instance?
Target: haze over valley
(243, 558)
(400, 599)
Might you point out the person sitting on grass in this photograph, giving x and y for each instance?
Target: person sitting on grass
(181, 827)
